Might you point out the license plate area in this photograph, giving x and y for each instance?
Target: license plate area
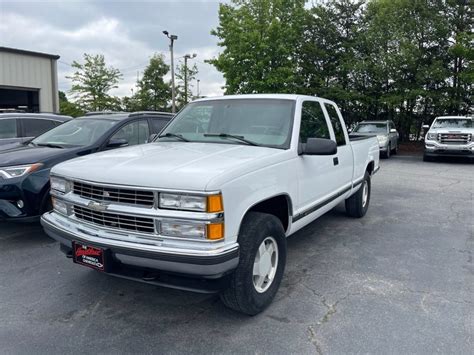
(93, 257)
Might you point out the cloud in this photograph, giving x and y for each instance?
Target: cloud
(126, 33)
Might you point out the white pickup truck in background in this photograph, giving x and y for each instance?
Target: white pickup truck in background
(449, 136)
(208, 205)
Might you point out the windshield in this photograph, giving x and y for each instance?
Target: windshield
(77, 132)
(452, 123)
(265, 122)
(371, 128)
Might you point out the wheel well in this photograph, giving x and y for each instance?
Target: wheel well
(279, 206)
(370, 168)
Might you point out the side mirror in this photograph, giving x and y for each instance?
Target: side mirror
(426, 126)
(393, 130)
(152, 137)
(117, 143)
(319, 146)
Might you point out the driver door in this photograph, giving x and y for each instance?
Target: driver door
(313, 170)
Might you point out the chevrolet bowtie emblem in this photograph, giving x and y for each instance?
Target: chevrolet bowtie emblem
(96, 206)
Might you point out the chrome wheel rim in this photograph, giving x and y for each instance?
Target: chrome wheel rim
(365, 193)
(265, 265)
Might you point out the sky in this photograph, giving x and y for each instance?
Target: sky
(127, 33)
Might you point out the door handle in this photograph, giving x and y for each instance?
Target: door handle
(335, 161)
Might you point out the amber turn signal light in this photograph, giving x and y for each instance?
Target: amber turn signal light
(215, 231)
(214, 203)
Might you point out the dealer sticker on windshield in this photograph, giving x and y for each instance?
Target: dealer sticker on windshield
(89, 256)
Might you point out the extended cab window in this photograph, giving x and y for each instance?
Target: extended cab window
(8, 129)
(336, 124)
(313, 122)
(33, 128)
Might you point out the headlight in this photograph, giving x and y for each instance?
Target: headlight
(432, 136)
(17, 171)
(60, 206)
(59, 184)
(211, 203)
(382, 139)
(185, 229)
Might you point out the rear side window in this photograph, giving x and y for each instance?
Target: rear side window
(33, 128)
(336, 124)
(8, 129)
(134, 133)
(158, 124)
(313, 122)
(143, 132)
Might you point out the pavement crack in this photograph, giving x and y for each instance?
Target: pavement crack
(314, 340)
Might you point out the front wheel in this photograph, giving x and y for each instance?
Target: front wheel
(256, 280)
(358, 204)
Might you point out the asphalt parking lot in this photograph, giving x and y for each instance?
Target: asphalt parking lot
(400, 280)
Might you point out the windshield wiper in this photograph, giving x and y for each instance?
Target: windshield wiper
(50, 145)
(226, 135)
(174, 135)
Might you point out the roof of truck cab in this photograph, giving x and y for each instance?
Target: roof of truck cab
(455, 117)
(260, 96)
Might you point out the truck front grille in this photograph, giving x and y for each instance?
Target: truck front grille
(454, 138)
(114, 220)
(112, 194)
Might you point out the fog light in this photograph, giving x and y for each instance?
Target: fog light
(182, 229)
(59, 206)
(20, 203)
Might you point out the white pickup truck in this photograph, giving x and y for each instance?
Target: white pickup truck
(208, 205)
(449, 136)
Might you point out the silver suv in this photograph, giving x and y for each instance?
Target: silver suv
(386, 133)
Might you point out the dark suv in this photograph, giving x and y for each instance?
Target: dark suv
(19, 127)
(24, 170)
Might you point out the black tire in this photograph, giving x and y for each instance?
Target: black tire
(427, 158)
(354, 204)
(242, 295)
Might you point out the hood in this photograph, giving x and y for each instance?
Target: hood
(29, 155)
(170, 165)
(379, 134)
(9, 146)
(452, 130)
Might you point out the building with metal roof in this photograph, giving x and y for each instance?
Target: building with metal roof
(28, 81)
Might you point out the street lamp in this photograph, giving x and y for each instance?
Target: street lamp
(186, 57)
(198, 93)
(173, 90)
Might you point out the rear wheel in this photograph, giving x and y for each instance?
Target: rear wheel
(358, 204)
(256, 280)
(395, 150)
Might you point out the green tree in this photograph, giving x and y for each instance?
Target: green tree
(153, 92)
(260, 40)
(190, 73)
(92, 82)
(68, 108)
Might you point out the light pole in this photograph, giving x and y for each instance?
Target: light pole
(173, 92)
(186, 57)
(198, 93)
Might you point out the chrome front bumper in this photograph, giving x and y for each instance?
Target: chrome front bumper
(206, 260)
